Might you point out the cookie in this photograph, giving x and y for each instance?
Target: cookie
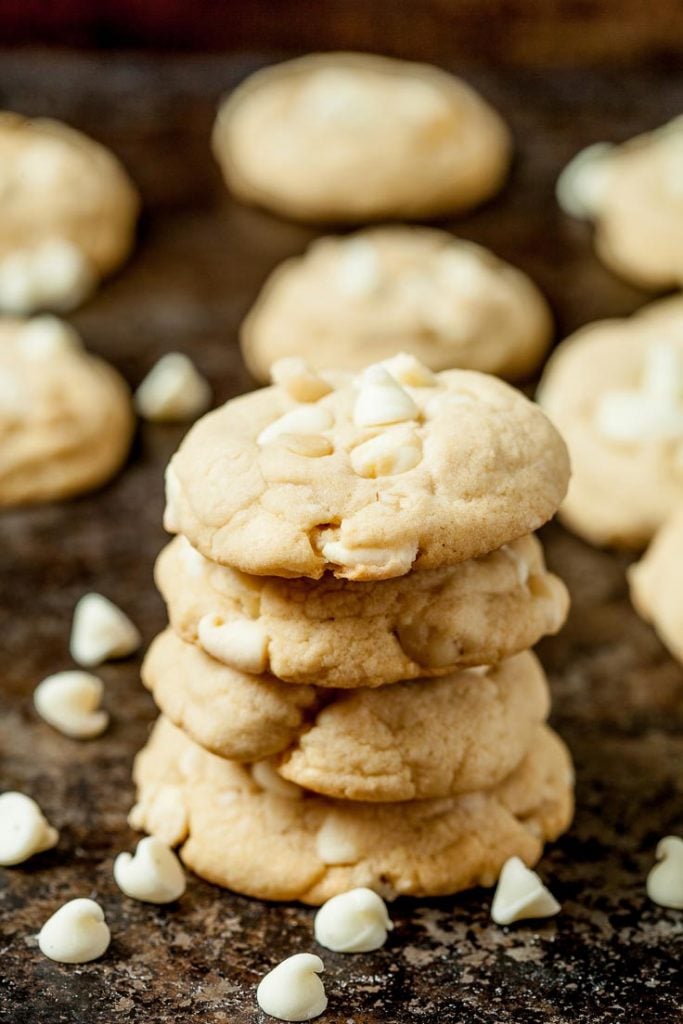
(355, 137)
(237, 834)
(66, 418)
(615, 392)
(363, 297)
(396, 469)
(634, 195)
(409, 741)
(656, 583)
(338, 633)
(67, 214)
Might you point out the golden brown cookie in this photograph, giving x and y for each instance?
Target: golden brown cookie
(259, 842)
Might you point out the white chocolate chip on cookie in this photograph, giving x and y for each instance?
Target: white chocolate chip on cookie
(24, 830)
(173, 391)
(665, 880)
(359, 272)
(76, 933)
(70, 702)
(265, 776)
(241, 643)
(409, 371)
(355, 558)
(56, 274)
(292, 990)
(333, 843)
(299, 381)
(394, 451)
(581, 185)
(381, 401)
(152, 875)
(309, 419)
(45, 336)
(353, 922)
(101, 631)
(520, 894)
(309, 446)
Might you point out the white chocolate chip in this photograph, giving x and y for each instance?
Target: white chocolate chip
(333, 843)
(55, 275)
(299, 381)
(193, 561)
(633, 416)
(353, 922)
(309, 446)
(520, 894)
(665, 880)
(583, 183)
(153, 874)
(358, 272)
(45, 336)
(172, 488)
(521, 564)
(394, 451)
(437, 405)
(24, 830)
(265, 776)
(381, 400)
(309, 419)
(76, 933)
(70, 702)
(173, 391)
(338, 553)
(409, 371)
(292, 990)
(465, 270)
(101, 631)
(428, 646)
(241, 643)
(663, 373)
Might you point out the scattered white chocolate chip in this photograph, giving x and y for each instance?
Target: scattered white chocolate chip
(55, 274)
(172, 488)
(292, 990)
(241, 643)
(408, 371)
(381, 401)
(353, 922)
(173, 391)
(24, 829)
(521, 894)
(76, 933)
(394, 451)
(583, 182)
(153, 874)
(70, 702)
(299, 381)
(44, 336)
(308, 419)
(358, 271)
(265, 776)
(309, 446)
(338, 553)
(665, 880)
(101, 631)
(333, 843)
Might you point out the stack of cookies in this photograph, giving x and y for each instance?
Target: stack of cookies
(346, 689)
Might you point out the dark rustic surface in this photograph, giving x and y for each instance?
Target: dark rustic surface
(611, 955)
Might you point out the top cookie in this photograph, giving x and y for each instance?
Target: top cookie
(67, 214)
(66, 418)
(634, 193)
(354, 137)
(615, 391)
(360, 298)
(395, 469)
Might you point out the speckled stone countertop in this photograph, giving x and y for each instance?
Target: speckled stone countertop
(611, 955)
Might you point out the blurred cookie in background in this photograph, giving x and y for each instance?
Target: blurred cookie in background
(353, 137)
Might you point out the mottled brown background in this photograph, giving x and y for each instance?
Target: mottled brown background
(564, 74)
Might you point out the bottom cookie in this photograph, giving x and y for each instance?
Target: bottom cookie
(249, 831)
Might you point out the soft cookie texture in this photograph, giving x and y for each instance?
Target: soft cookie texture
(408, 741)
(356, 137)
(396, 469)
(634, 194)
(339, 633)
(361, 298)
(615, 392)
(656, 583)
(66, 418)
(67, 214)
(236, 834)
